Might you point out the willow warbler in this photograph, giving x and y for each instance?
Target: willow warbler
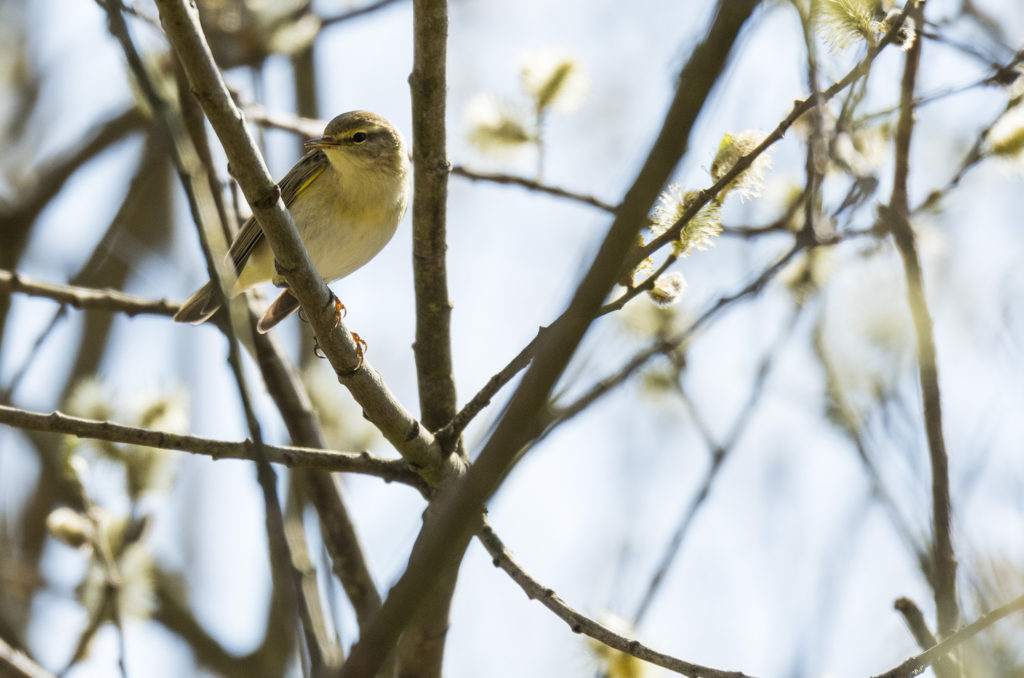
(346, 195)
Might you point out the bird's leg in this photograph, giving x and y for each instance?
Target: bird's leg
(361, 346)
(339, 308)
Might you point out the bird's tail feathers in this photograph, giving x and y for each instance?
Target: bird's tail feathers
(199, 307)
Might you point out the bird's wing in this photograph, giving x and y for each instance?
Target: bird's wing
(305, 171)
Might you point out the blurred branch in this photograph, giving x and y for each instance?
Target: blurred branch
(914, 619)
(51, 177)
(329, 460)
(319, 487)
(533, 185)
(456, 513)
(208, 212)
(989, 23)
(289, 122)
(85, 298)
(298, 546)
(915, 665)
(579, 623)
(719, 453)
(839, 411)
(666, 345)
(16, 664)
(269, 659)
(972, 158)
(7, 392)
(399, 427)
(896, 216)
(48, 180)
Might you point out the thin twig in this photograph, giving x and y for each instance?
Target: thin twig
(354, 13)
(532, 185)
(666, 345)
(719, 453)
(12, 385)
(896, 217)
(391, 470)
(579, 623)
(914, 619)
(483, 397)
(289, 122)
(915, 665)
(85, 298)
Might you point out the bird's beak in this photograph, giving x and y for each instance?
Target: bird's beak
(320, 142)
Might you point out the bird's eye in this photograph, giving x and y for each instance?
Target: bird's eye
(359, 137)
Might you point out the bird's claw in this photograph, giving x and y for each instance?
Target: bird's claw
(339, 309)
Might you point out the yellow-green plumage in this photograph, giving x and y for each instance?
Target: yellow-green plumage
(346, 196)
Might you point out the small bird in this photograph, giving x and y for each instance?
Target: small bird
(346, 195)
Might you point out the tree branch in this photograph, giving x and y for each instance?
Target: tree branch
(421, 648)
(532, 185)
(919, 663)
(428, 83)
(897, 218)
(391, 470)
(85, 298)
(320, 488)
(580, 623)
(16, 664)
(357, 12)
